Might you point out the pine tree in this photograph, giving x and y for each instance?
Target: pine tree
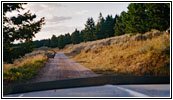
(75, 37)
(82, 35)
(53, 41)
(89, 30)
(121, 24)
(137, 18)
(109, 26)
(67, 38)
(100, 33)
(142, 17)
(61, 43)
(158, 15)
(22, 27)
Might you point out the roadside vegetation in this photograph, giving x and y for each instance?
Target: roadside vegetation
(23, 70)
(135, 56)
(20, 62)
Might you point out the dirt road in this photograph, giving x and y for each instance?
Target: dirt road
(61, 67)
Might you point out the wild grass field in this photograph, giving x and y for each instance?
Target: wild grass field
(147, 54)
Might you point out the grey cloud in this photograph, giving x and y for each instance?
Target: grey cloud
(82, 12)
(59, 29)
(37, 7)
(56, 19)
(49, 28)
(47, 31)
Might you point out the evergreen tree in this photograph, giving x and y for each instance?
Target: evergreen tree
(54, 41)
(100, 32)
(137, 18)
(142, 17)
(75, 37)
(61, 43)
(22, 27)
(109, 26)
(67, 38)
(82, 35)
(121, 22)
(158, 15)
(89, 30)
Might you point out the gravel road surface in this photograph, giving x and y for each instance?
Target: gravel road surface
(61, 67)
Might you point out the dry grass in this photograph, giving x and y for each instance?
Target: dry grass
(144, 57)
(17, 64)
(23, 69)
(36, 54)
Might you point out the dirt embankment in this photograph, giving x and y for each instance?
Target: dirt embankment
(141, 54)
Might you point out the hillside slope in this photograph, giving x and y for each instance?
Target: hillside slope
(146, 54)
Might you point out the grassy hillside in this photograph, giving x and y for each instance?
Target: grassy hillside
(147, 54)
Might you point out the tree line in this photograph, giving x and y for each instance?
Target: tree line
(140, 18)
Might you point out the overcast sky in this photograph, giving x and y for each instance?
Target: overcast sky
(63, 18)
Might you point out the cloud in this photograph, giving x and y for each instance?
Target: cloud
(59, 29)
(39, 7)
(82, 12)
(55, 19)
